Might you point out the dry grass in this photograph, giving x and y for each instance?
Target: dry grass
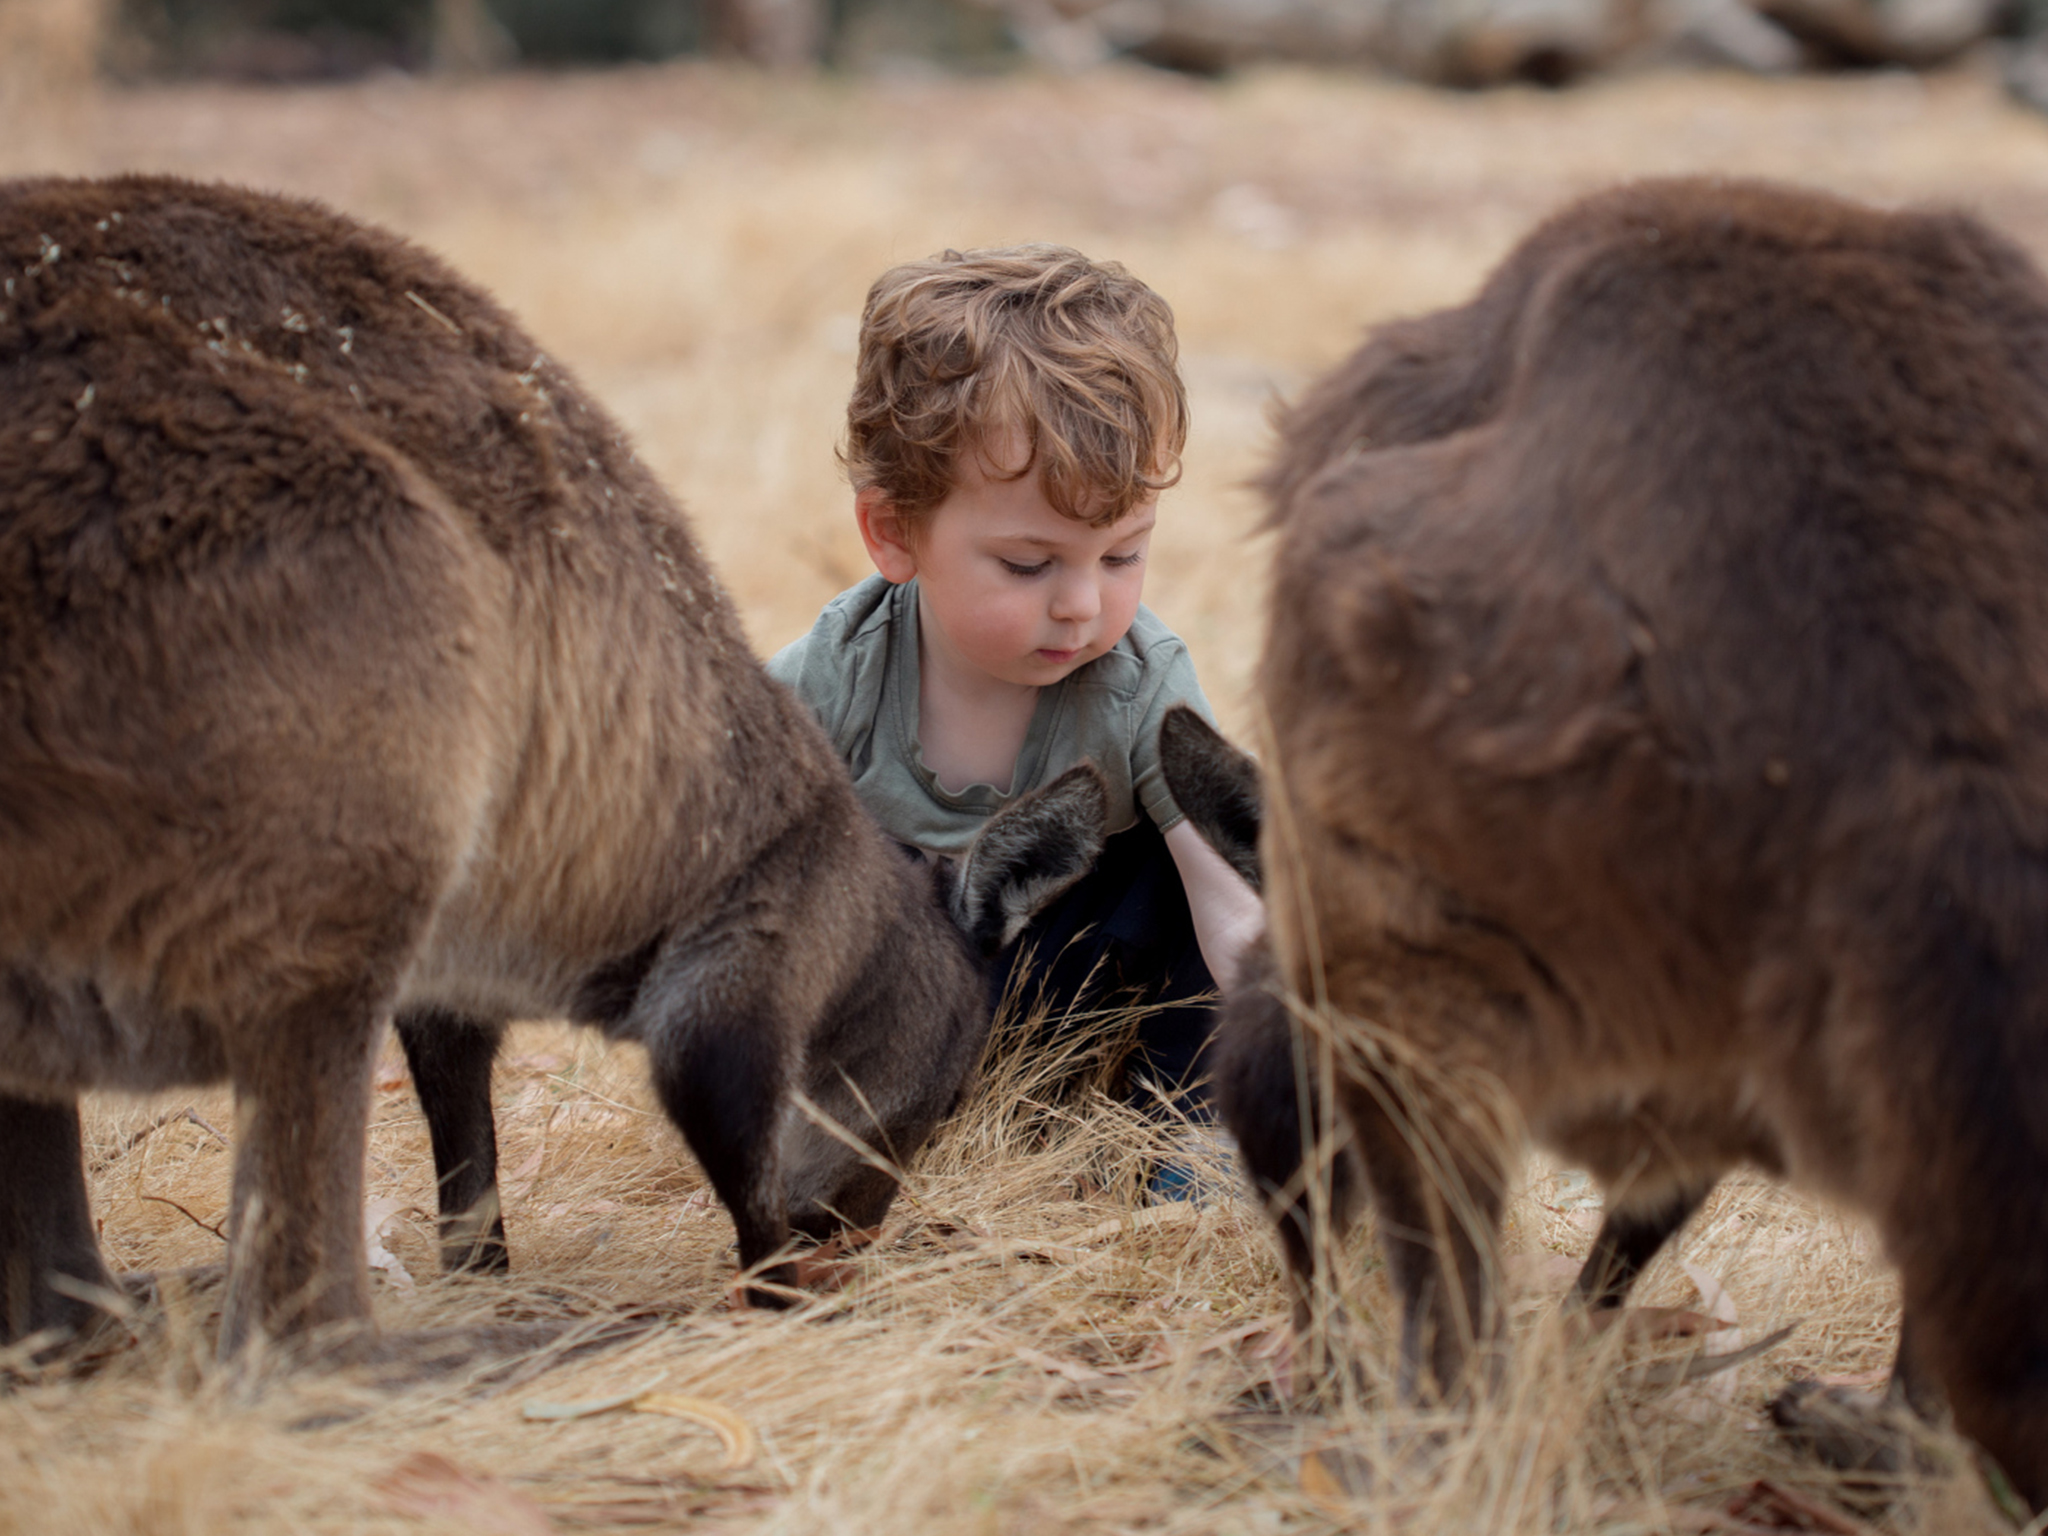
(1028, 1347)
(1018, 1354)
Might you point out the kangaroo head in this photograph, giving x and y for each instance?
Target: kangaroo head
(1024, 856)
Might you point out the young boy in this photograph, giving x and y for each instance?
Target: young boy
(1015, 415)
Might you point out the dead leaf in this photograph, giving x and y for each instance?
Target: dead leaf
(825, 1267)
(1713, 1294)
(1726, 1340)
(559, 1413)
(377, 1216)
(426, 1484)
(853, 1241)
(556, 1413)
(825, 1275)
(391, 1073)
(1644, 1325)
(734, 1432)
(1321, 1488)
(1706, 1364)
(1336, 1476)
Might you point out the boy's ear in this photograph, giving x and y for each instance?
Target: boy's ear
(885, 534)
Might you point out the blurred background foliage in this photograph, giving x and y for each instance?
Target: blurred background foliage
(315, 39)
(1465, 43)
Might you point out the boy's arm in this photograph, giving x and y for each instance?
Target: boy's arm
(1227, 912)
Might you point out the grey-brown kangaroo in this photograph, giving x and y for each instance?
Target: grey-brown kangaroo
(351, 665)
(1658, 673)
(861, 1078)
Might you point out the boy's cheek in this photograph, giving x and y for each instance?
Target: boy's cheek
(1122, 612)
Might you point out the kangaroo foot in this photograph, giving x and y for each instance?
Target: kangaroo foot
(150, 1287)
(122, 1315)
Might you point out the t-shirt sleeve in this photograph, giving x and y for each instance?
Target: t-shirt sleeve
(805, 667)
(1169, 680)
(787, 664)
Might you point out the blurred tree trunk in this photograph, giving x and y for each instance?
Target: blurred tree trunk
(1866, 33)
(776, 34)
(1488, 42)
(467, 39)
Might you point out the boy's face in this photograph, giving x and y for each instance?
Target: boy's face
(1018, 591)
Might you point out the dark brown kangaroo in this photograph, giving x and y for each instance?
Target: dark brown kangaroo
(1269, 1087)
(351, 665)
(1658, 674)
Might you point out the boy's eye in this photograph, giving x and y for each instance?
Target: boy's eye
(1023, 570)
(1132, 558)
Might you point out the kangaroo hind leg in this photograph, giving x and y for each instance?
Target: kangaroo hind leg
(450, 1059)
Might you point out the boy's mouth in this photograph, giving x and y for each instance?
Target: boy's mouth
(1054, 658)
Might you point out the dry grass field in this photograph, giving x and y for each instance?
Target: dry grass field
(1030, 1347)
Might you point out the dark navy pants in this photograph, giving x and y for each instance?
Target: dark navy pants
(1123, 936)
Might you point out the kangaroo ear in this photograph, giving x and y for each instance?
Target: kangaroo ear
(1215, 785)
(1027, 854)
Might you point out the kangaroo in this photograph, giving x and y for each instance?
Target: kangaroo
(1658, 682)
(1270, 1092)
(859, 1081)
(352, 665)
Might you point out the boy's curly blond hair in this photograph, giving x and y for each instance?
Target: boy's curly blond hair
(1077, 356)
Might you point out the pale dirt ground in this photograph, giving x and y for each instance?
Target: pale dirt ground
(1028, 1349)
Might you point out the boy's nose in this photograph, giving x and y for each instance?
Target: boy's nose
(1074, 599)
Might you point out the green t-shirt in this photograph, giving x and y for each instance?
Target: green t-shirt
(857, 670)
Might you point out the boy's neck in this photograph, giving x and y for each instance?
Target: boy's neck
(970, 725)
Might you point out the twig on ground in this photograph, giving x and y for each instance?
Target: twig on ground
(137, 1137)
(207, 1225)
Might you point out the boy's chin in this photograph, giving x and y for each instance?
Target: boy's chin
(1044, 667)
